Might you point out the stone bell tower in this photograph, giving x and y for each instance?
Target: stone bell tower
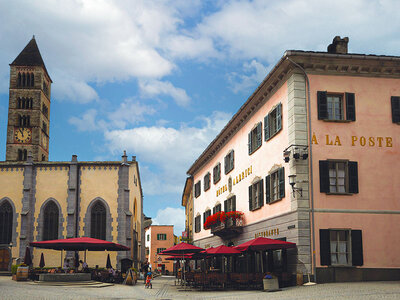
(29, 106)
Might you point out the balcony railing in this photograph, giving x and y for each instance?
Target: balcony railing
(228, 229)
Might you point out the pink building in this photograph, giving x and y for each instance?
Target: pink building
(157, 239)
(331, 119)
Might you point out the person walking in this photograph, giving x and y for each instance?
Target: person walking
(145, 269)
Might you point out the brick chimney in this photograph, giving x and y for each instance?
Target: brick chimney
(338, 46)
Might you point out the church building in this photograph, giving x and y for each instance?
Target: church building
(43, 200)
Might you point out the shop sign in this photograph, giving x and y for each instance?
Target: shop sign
(363, 141)
(267, 233)
(236, 179)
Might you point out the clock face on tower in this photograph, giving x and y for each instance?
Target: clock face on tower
(23, 135)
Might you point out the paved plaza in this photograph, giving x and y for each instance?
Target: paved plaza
(164, 288)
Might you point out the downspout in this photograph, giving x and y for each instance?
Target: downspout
(311, 194)
(77, 200)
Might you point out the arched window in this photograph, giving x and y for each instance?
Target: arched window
(19, 102)
(98, 221)
(50, 224)
(30, 103)
(6, 218)
(28, 79)
(23, 79)
(32, 79)
(19, 83)
(25, 156)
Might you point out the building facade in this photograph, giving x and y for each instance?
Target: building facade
(310, 158)
(42, 200)
(187, 202)
(159, 238)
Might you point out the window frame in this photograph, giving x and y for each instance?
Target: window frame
(395, 109)
(230, 204)
(348, 247)
(351, 177)
(255, 138)
(197, 189)
(219, 206)
(275, 176)
(160, 250)
(207, 181)
(51, 218)
(256, 195)
(197, 224)
(347, 101)
(333, 96)
(217, 173)
(229, 161)
(273, 120)
(346, 176)
(161, 236)
(206, 214)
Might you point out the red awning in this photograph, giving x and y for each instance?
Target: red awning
(181, 248)
(80, 244)
(262, 243)
(222, 250)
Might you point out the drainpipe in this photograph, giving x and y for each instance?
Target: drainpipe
(311, 194)
(77, 200)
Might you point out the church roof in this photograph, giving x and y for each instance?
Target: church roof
(30, 56)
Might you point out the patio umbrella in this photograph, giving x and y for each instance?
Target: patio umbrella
(41, 264)
(108, 265)
(80, 244)
(28, 257)
(262, 244)
(222, 250)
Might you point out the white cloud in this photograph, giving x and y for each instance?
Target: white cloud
(242, 81)
(171, 216)
(87, 122)
(151, 88)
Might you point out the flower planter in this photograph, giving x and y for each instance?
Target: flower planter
(271, 285)
(22, 273)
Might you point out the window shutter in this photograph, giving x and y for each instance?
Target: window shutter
(353, 177)
(350, 107)
(322, 106)
(250, 198)
(281, 175)
(279, 117)
(324, 176)
(225, 205)
(214, 208)
(233, 203)
(357, 248)
(250, 145)
(259, 135)
(395, 109)
(325, 247)
(266, 128)
(232, 160)
(226, 164)
(204, 218)
(267, 189)
(261, 193)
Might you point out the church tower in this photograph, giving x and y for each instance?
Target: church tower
(29, 106)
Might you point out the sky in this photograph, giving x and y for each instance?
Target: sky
(161, 78)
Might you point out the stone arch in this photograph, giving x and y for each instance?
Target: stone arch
(14, 219)
(88, 218)
(40, 227)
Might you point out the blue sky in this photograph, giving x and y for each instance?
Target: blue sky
(160, 79)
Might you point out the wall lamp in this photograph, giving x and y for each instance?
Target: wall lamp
(296, 151)
(292, 182)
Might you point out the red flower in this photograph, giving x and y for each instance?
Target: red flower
(221, 217)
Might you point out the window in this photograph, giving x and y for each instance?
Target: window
(255, 138)
(45, 89)
(22, 154)
(341, 247)
(206, 214)
(197, 189)
(161, 237)
(273, 122)
(395, 109)
(45, 110)
(338, 177)
(24, 121)
(147, 251)
(44, 126)
(207, 180)
(230, 204)
(148, 237)
(98, 221)
(229, 162)
(217, 173)
(256, 195)
(332, 107)
(6, 221)
(216, 208)
(197, 224)
(160, 250)
(50, 227)
(275, 185)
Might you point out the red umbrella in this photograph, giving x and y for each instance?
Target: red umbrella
(222, 250)
(181, 248)
(262, 243)
(80, 244)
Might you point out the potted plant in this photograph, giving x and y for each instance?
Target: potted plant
(270, 283)
(14, 272)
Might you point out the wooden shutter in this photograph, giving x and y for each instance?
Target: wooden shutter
(250, 198)
(353, 177)
(325, 247)
(250, 144)
(281, 175)
(214, 208)
(350, 107)
(232, 156)
(279, 117)
(260, 193)
(226, 164)
(233, 203)
(267, 189)
(322, 106)
(266, 128)
(324, 176)
(204, 217)
(395, 109)
(357, 248)
(225, 205)
(259, 135)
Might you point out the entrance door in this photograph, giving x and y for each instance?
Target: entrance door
(4, 259)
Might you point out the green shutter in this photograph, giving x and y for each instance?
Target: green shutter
(232, 160)
(250, 144)
(395, 101)
(279, 117)
(322, 106)
(233, 203)
(226, 164)
(259, 135)
(325, 247)
(281, 175)
(357, 248)
(250, 198)
(226, 206)
(350, 107)
(260, 193)
(324, 176)
(353, 177)
(267, 189)
(266, 128)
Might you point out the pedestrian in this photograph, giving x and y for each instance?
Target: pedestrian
(145, 269)
(65, 266)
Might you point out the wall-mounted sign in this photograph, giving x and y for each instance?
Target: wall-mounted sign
(236, 179)
(368, 141)
(267, 233)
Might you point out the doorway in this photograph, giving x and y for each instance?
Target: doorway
(4, 259)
